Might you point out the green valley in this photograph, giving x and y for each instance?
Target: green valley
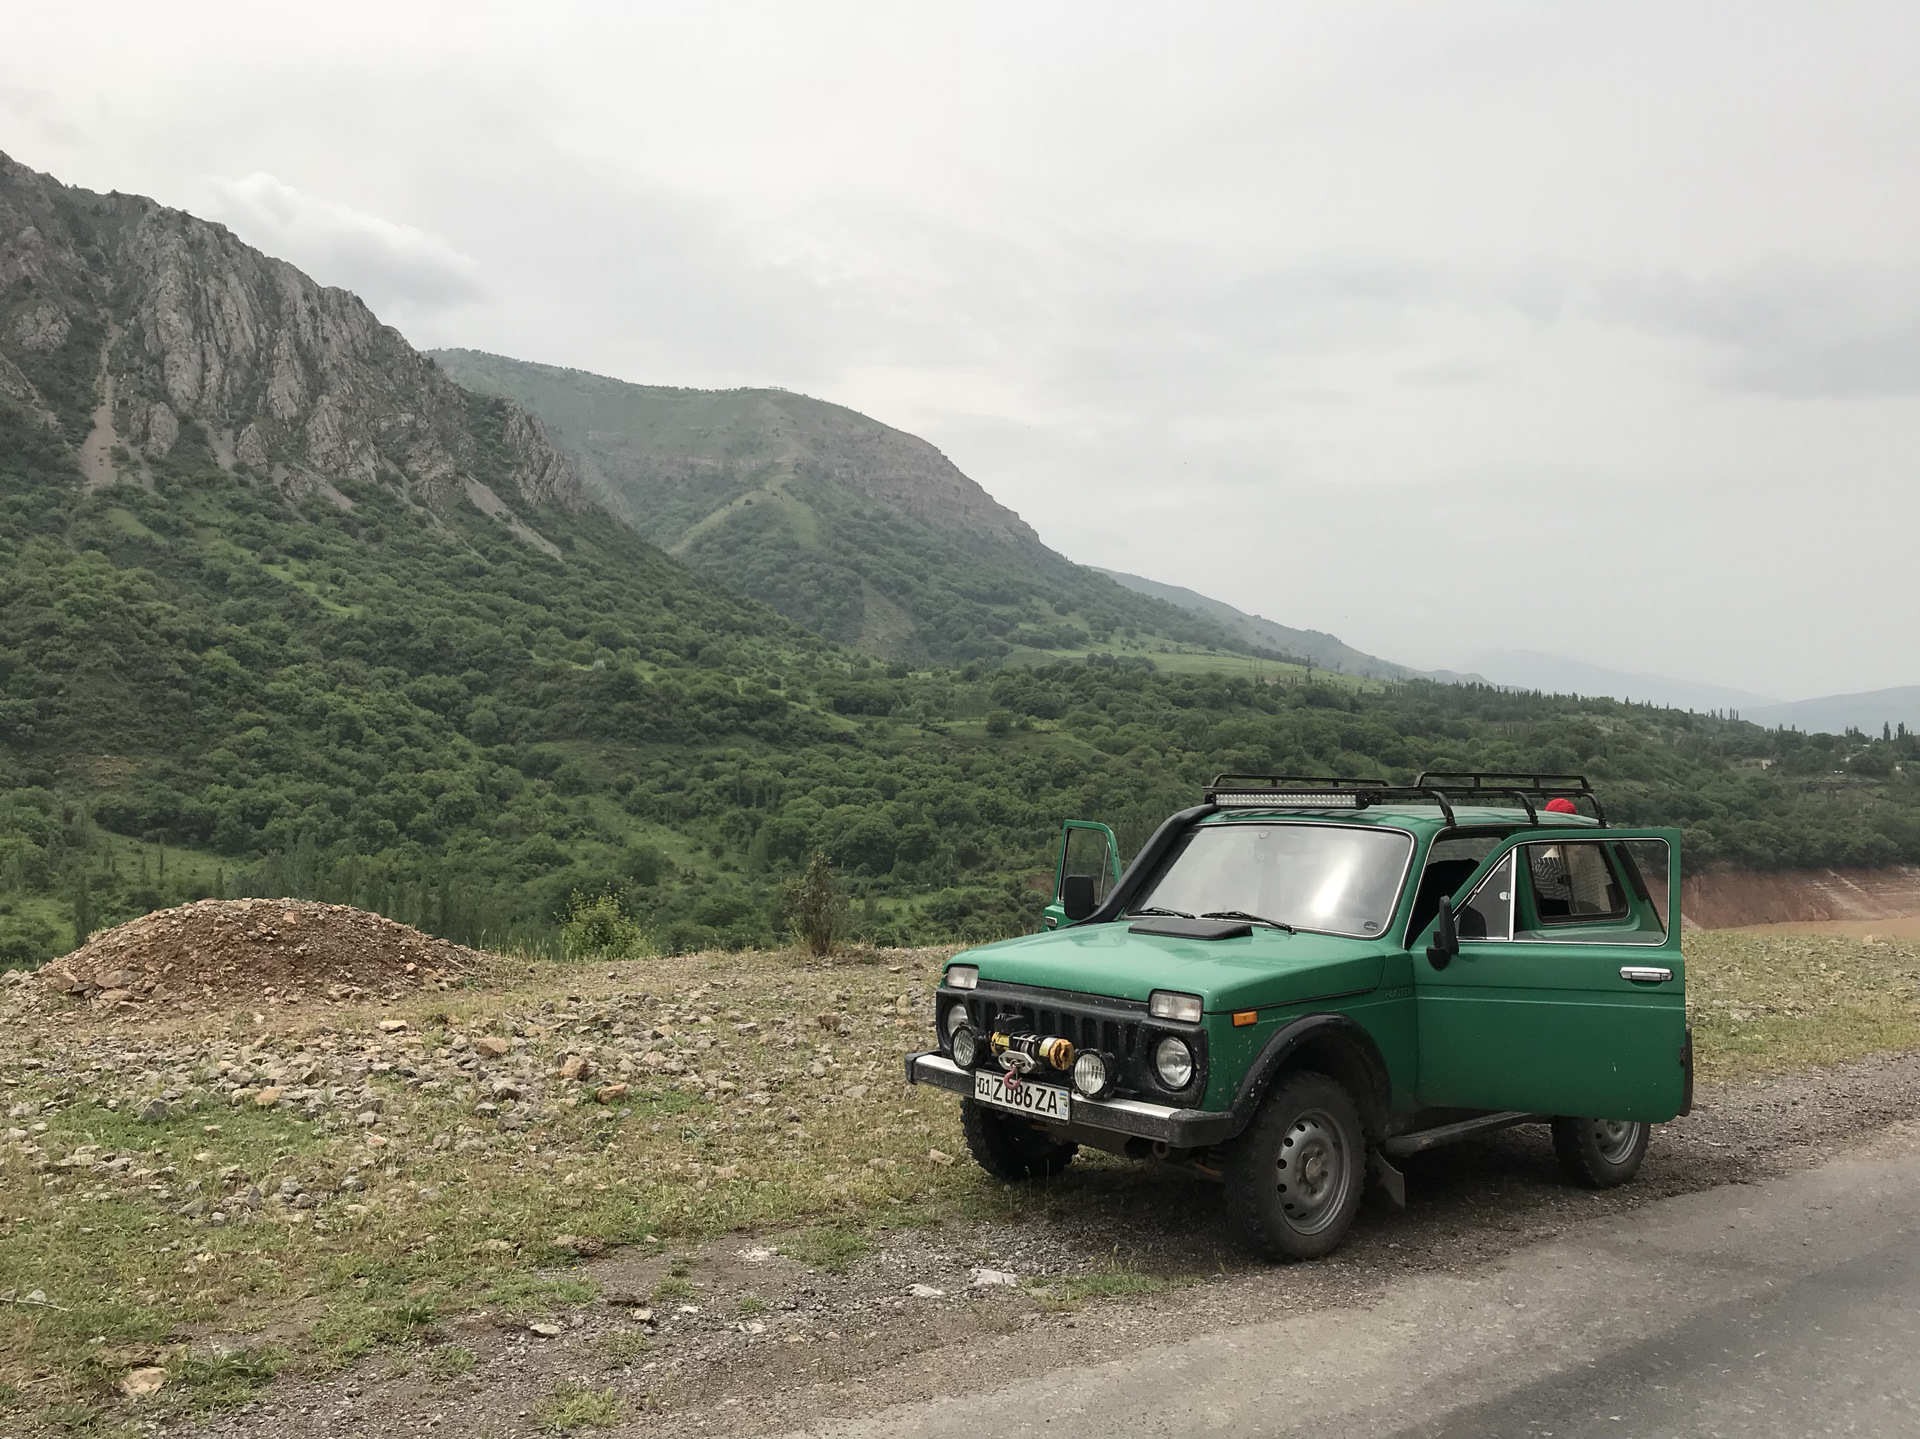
(315, 621)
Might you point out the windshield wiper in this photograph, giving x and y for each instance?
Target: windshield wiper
(1170, 913)
(1242, 914)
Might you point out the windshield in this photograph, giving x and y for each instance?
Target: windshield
(1328, 877)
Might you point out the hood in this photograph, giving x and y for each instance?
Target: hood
(1266, 967)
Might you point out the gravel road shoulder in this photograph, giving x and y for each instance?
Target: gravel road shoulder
(752, 1338)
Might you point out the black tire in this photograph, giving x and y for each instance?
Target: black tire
(1294, 1176)
(1600, 1153)
(1011, 1148)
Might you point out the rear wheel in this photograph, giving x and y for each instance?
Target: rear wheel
(1011, 1148)
(1600, 1153)
(1293, 1179)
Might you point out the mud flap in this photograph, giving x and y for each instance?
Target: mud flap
(1391, 1181)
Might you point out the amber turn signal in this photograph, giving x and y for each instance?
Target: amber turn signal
(1245, 1016)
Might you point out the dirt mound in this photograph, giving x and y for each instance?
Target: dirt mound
(256, 949)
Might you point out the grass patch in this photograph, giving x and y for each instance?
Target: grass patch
(832, 1247)
(621, 1346)
(1073, 1290)
(672, 1290)
(449, 1361)
(572, 1407)
(224, 1381)
(1770, 1003)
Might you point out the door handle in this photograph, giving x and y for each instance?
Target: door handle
(1645, 974)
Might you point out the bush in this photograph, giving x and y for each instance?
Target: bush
(598, 928)
(815, 908)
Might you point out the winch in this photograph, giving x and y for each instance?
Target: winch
(1024, 1053)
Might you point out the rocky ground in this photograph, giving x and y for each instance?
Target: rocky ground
(760, 1341)
(670, 1197)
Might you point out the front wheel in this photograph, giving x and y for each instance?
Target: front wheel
(1293, 1178)
(1009, 1147)
(1600, 1153)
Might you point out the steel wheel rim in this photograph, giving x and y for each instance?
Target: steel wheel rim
(1313, 1171)
(1615, 1138)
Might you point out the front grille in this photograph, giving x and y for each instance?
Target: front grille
(1118, 1026)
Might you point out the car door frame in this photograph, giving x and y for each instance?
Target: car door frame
(1556, 1024)
(1055, 914)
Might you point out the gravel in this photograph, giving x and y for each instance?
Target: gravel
(766, 1343)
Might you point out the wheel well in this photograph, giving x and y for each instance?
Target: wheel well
(1343, 1060)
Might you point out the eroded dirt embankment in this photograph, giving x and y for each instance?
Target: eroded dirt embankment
(1733, 899)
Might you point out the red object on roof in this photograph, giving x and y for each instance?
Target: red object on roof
(1562, 805)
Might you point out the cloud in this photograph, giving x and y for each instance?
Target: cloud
(384, 262)
(1791, 328)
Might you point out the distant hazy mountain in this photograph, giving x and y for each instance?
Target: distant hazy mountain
(861, 532)
(1556, 674)
(1836, 714)
(1323, 649)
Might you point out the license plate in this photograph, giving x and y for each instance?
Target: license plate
(1042, 1101)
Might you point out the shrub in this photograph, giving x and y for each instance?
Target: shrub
(815, 908)
(598, 928)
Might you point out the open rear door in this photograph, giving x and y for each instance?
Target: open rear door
(1088, 869)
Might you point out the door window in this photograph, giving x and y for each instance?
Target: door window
(1574, 884)
(1089, 851)
(1488, 911)
(1643, 863)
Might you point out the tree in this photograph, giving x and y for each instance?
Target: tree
(815, 908)
(83, 917)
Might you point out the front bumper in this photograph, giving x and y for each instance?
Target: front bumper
(1161, 1123)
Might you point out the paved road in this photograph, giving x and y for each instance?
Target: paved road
(1778, 1311)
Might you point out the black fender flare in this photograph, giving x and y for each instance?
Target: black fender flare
(1364, 1070)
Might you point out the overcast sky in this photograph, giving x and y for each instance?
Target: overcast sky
(1585, 329)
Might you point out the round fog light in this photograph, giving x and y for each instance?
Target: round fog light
(956, 1016)
(1173, 1062)
(966, 1046)
(1092, 1075)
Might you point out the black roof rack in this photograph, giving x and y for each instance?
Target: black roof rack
(1295, 791)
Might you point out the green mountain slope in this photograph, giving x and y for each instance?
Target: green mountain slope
(860, 532)
(1322, 649)
(330, 626)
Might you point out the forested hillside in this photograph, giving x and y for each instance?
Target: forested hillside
(860, 532)
(395, 658)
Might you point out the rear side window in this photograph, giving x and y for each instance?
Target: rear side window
(1573, 883)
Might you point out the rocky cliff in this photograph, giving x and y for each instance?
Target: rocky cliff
(122, 320)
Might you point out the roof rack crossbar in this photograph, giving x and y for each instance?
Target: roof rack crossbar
(1438, 787)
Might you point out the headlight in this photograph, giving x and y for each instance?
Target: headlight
(1173, 1062)
(963, 976)
(966, 1046)
(1093, 1074)
(956, 1016)
(1166, 1004)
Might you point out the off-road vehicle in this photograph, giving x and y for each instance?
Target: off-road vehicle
(1303, 979)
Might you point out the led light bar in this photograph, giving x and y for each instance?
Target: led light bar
(1283, 799)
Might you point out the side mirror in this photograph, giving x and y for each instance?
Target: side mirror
(1446, 937)
(1076, 896)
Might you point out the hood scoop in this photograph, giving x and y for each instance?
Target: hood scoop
(1177, 928)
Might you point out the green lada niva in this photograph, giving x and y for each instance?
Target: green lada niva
(1303, 979)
